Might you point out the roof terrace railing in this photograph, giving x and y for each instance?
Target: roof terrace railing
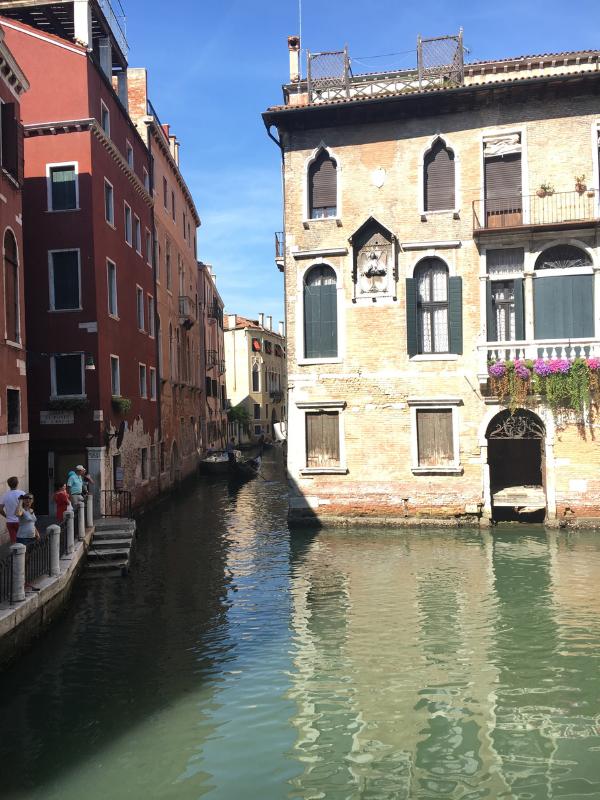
(117, 23)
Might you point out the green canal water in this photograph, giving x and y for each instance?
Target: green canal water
(239, 661)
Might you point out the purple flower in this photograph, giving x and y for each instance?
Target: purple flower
(593, 363)
(560, 365)
(541, 367)
(521, 371)
(497, 370)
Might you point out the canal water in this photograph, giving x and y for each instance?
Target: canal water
(239, 661)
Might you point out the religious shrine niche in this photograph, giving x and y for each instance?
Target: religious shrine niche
(374, 270)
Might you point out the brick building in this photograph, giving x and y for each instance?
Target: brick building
(256, 372)
(438, 220)
(213, 415)
(178, 324)
(14, 438)
(92, 355)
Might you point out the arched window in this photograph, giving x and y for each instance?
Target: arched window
(439, 178)
(320, 313)
(322, 187)
(255, 378)
(11, 288)
(563, 294)
(432, 306)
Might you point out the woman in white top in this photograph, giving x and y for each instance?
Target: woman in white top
(27, 533)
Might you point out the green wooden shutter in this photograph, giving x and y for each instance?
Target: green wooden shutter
(311, 315)
(328, 321)
(490, 315)
(412, 342)
(519, 309)
(455, 315)
(563, 306)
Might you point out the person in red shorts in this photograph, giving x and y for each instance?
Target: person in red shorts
(8, 507)
(61, 498)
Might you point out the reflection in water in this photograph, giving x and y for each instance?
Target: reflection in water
(240, 661)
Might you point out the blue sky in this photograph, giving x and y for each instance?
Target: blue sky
(215, 66)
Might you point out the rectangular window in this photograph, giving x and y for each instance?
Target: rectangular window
(146, 179)
(184, 226)
(115, 376)
(257, 430)
(152, 383)
(435, 440)
(208, 386)
(137, 234)
(109, 203)
(129, 154)
(104, 118)
(322, 439)
(151, 315)
(153, 461)
(173, 205)
(12, 137)
(148, 248)
(256, 378)
(144, 463)
(139, 299)
(67, 375)
(503, 181)
(143, 381)
(168, 264)
(128, 228)
(13, 411)
(111, 272)
(62, 186)
(165, 193)
(65, 294)
(214, 387)
(256, 411)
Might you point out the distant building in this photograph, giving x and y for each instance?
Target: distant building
(178, 322)
(87, 209)
(14, 438)
(256, 372)
(442, 265)
(213, 414)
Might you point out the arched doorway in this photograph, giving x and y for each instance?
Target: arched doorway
(517, 466)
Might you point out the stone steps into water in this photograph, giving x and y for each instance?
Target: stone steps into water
(110, 550)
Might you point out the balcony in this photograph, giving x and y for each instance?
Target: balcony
(187, 311)
(222, 366)
(534, 212)
(280, 250)
(215, 312)
(212, 359)
(532, 349)
(276, 395)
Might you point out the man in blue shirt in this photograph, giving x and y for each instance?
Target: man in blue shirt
(75, 485)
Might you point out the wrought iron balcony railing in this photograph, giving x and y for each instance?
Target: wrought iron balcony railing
(215, 312)
(276, 395)
(187, 309)
(543, 210)
(212, 358)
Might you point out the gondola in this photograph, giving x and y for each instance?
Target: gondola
(245, 469)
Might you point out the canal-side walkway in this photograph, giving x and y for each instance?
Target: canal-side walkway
(50, 566)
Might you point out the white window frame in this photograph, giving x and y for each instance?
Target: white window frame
(490, 133)
(307, 220)
(113, 314)
(152, 375)
(53, 390)
(151, 312)
(325, 405)
(416, 404)
(143, 389)
(117, 360)
(139, 292)
(421, 181)
(128, 233)
(51, 297)
(129, 154)
(341, 327)
(49, 207)
(110, 222)
(137, 234)
(104, 108)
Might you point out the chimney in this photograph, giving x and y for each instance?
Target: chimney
(137, 90)
(174, 148)
(294, 48)
(281, 329)
(261, 320)
(231, 321)
(270, 322)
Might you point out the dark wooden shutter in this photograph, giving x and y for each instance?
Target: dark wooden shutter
(11, 288)
(519, 309)
(490, 314)
(455, 315)
(563, 306)
(65, 270)
(323, 183)
(503, 190)
(434, 437)
(412, 340)
(322, 439)
(10, 144)
(439, 179)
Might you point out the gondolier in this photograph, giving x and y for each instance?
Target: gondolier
(230, 450)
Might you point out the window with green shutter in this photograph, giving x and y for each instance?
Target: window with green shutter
(320, 313)
(63, 188)
(433, 310)
(563, 294)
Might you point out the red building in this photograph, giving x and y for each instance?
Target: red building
(87, 206)
(14, 444)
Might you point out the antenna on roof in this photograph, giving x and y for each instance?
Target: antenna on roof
(300, 37)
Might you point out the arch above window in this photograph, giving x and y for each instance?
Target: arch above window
(439, 179)
(563, 256)
(433, 310)
(320, 312)
(322, 186)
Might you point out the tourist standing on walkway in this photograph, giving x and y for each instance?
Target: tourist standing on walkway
(27, 533)
(62, 501)
(75, 484)
(8, 507)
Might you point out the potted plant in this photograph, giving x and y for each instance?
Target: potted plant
(580, 184)
(591, 191)
(121, 404)
(545, 189)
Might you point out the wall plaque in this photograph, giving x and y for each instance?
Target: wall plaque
(57, 417)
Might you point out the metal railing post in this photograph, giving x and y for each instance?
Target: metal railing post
(81, 521)
(53, 533)
(89, 511)
(70, 517)
(18, 572)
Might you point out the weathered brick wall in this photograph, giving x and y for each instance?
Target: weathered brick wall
(375, 376)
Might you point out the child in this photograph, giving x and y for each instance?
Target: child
(61, 498)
